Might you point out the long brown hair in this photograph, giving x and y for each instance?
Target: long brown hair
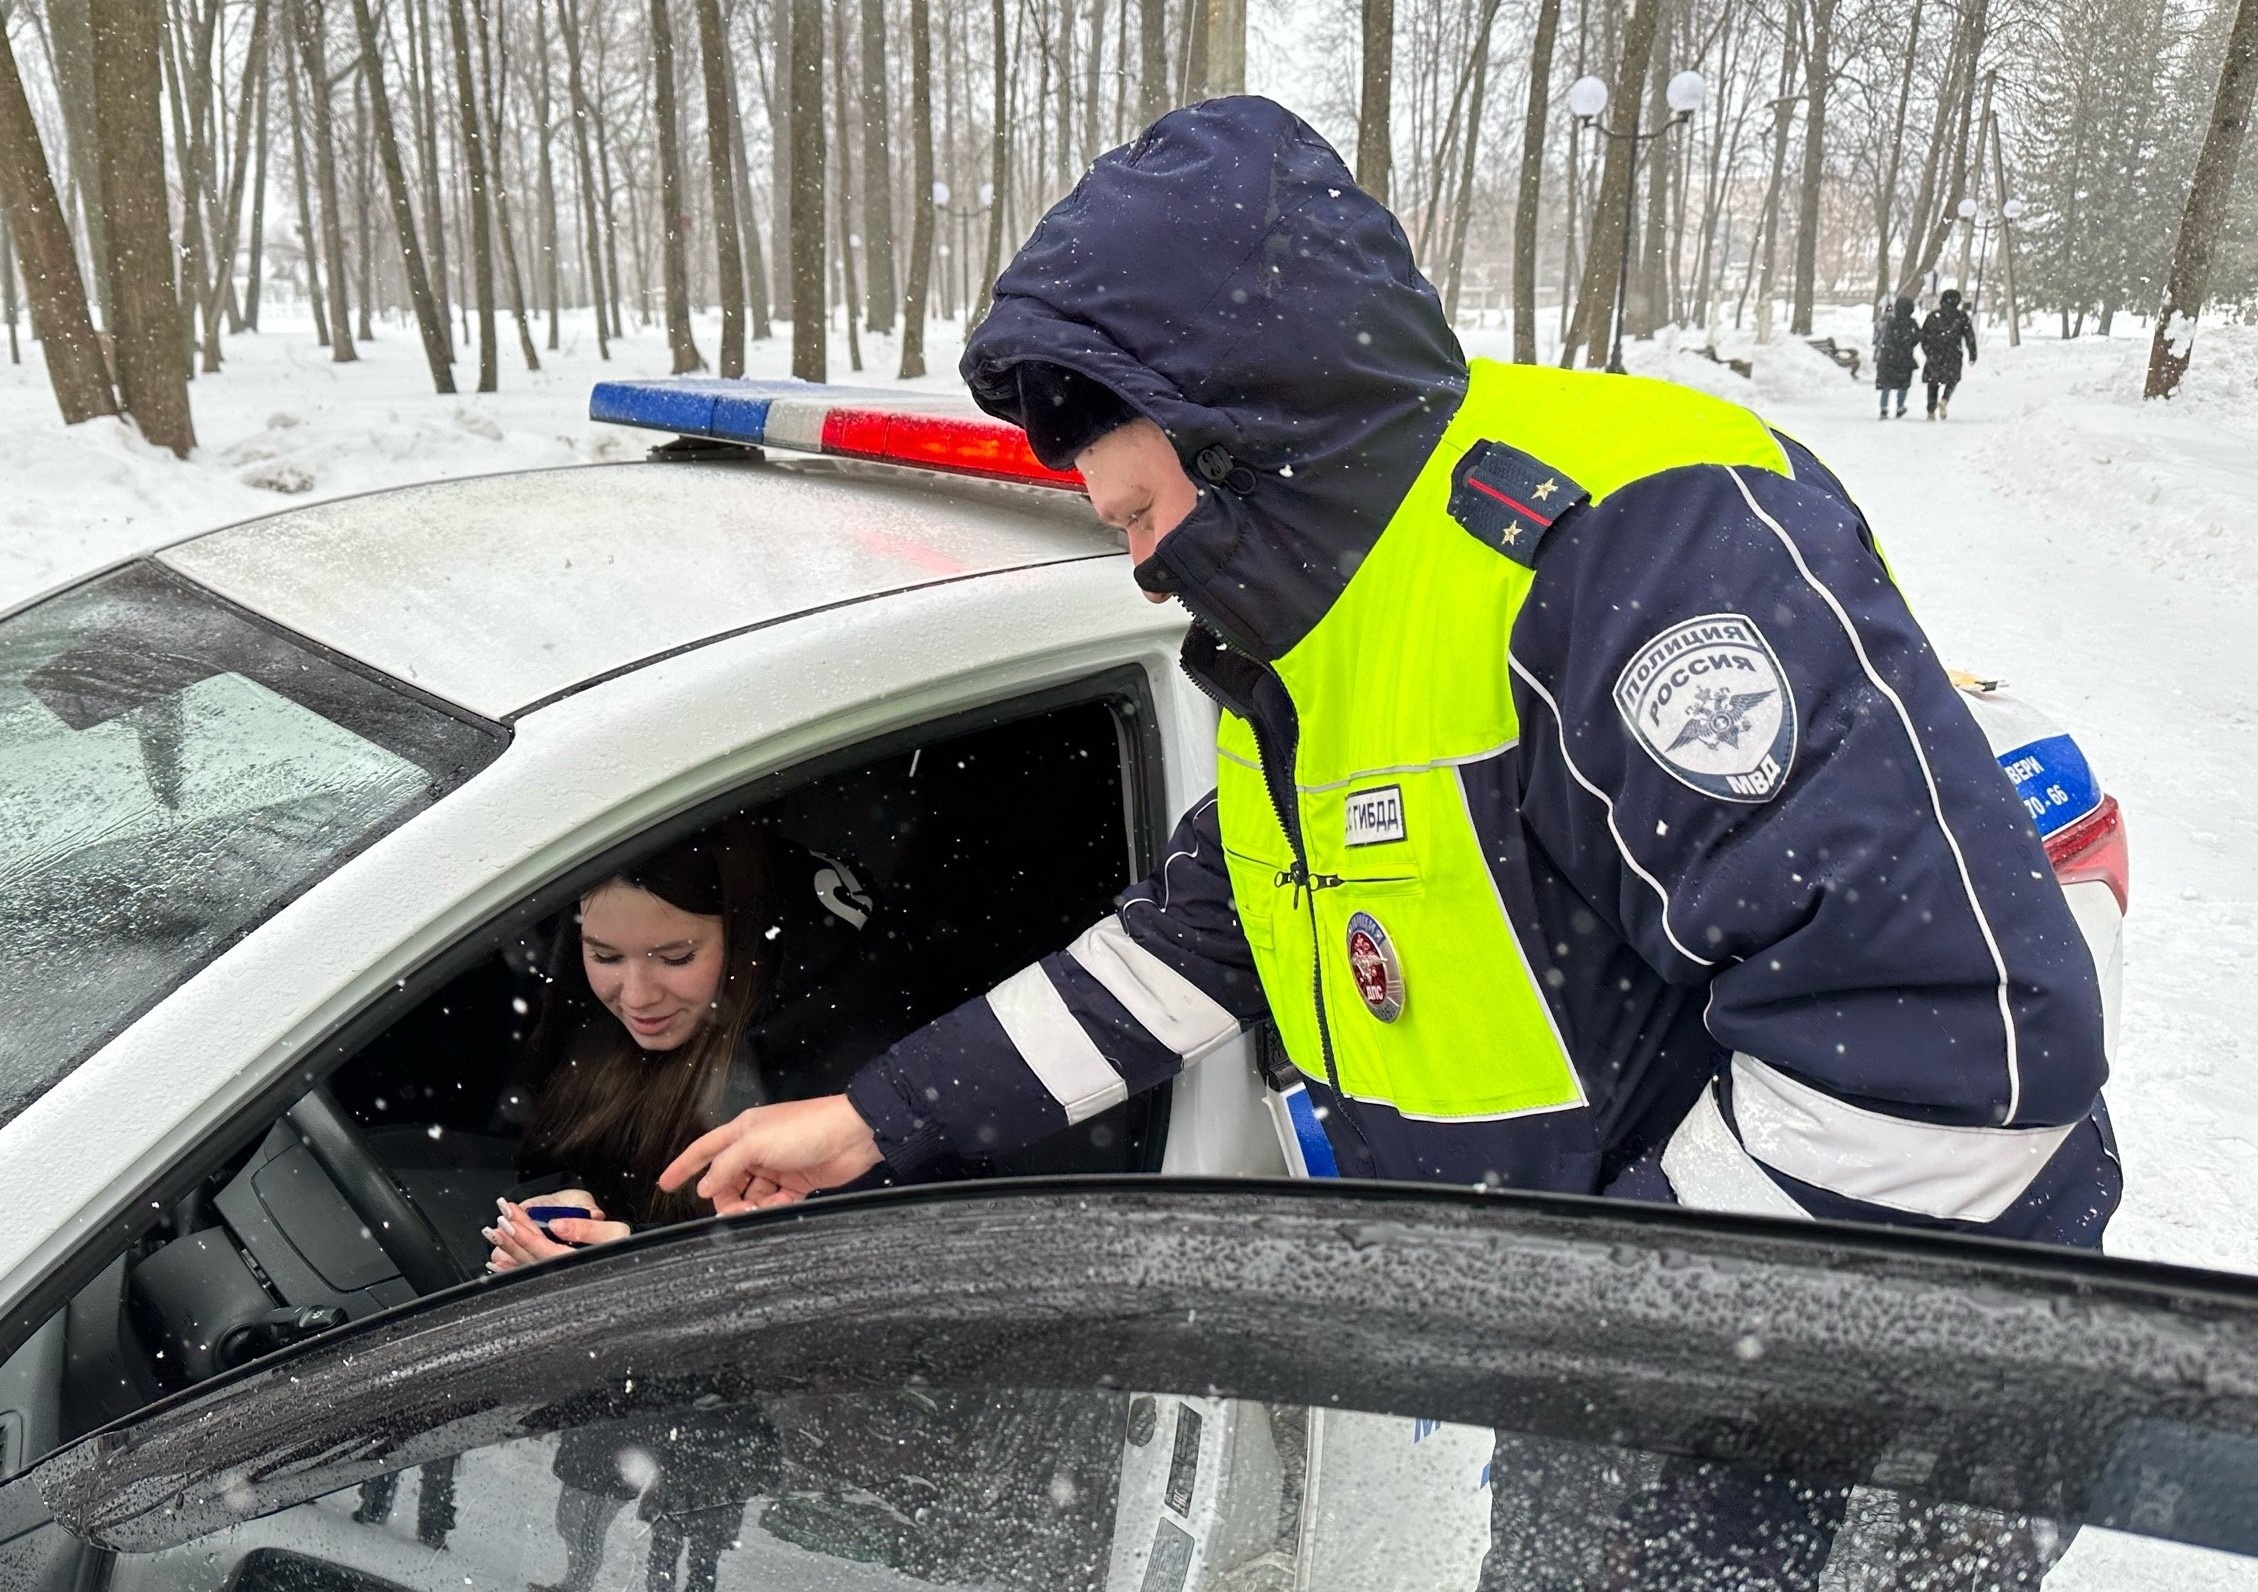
(604, 1108)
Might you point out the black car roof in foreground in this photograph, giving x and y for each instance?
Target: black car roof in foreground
(2045, 1381)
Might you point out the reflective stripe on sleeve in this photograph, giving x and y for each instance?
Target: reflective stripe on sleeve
(1055, 1046)
(1964, 1174)
(1169, 1006)
(1709, 1171)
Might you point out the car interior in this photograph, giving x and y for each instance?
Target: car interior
(974, 845)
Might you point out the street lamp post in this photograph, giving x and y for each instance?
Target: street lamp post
(1984, 222)
(1587, 98)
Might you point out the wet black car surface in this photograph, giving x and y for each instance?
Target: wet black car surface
(1805, 1360)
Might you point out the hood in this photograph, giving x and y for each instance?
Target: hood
(1226, 278)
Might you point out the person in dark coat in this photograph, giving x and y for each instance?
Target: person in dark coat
(711, 1462)
(1943, 335)
(1894, 348)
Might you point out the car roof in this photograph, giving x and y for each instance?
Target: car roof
(499, 593)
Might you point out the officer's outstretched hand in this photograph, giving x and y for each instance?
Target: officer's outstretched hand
(773, 1155)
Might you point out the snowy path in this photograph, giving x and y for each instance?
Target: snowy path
(2098, 553)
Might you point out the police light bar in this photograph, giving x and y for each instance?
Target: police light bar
(925, 431)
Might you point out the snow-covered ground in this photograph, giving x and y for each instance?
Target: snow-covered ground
(2099, 553)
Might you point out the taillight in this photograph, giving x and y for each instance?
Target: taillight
(2094, 848)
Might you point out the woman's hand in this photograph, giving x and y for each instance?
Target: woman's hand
(518, 1241)
(773, 1155)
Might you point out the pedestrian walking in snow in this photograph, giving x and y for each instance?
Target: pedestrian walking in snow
(1942, 336)
(1894, 348)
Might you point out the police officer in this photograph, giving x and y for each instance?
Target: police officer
(1591, 814)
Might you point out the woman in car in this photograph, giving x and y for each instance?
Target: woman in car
(728, 970)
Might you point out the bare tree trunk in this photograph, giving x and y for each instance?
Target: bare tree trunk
(1191, 51)
(256, 271)
(423, 95)
(1643, 313)
(591, 224)
(748, 224)
(223, 278)
(1092, 63)
(481, 208)
(364, 253)
(494, 82)
(1783, 111)
(672, 199)
(1595, 300)
(721, 168)
(604, 191)
(152, 355)
(877, 178)
(430, 317)
(777, 95)
(1152, 60)
(1926, 238)
(545, 102)
(72, 40)
(2190, 282)
(1885, 198)
(35, 223)
(843, 197)
(191, 63)
(8, 273)
(1226, 47)
(810, 356)
(315, 299)
(1376, 97)
(1462, 212)
(1818, 72)
(1526, 212)
(314, 61)
(999, 154)
(921, 189)
(189, 147)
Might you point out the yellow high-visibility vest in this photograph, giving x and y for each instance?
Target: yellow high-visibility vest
(1384, 949)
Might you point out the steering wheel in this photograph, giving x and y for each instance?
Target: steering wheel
(405, 1235)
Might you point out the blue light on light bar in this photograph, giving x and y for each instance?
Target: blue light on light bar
(693, 406)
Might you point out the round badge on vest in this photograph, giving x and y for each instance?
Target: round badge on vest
(1377, 968)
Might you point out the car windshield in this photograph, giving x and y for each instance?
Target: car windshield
(171, 772)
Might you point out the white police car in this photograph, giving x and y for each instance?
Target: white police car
(284, 808)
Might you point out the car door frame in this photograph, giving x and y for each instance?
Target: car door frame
(1009, 636)
(2123, 1394)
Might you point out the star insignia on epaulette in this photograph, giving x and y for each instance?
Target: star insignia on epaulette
(1511, 500)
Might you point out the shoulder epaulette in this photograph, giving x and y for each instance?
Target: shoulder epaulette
(1510, 499)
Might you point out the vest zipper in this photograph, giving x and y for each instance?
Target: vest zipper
(1298, 876)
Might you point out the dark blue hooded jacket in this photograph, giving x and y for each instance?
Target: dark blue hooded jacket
(1864, 996)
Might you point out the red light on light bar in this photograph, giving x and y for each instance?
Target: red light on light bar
(988, 449)
(2095, 848)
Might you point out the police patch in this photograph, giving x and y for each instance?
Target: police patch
(1375, 967)
(1710, 703)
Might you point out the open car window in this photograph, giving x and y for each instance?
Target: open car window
(1118, 1386)
(172, 771)
(902, 877)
